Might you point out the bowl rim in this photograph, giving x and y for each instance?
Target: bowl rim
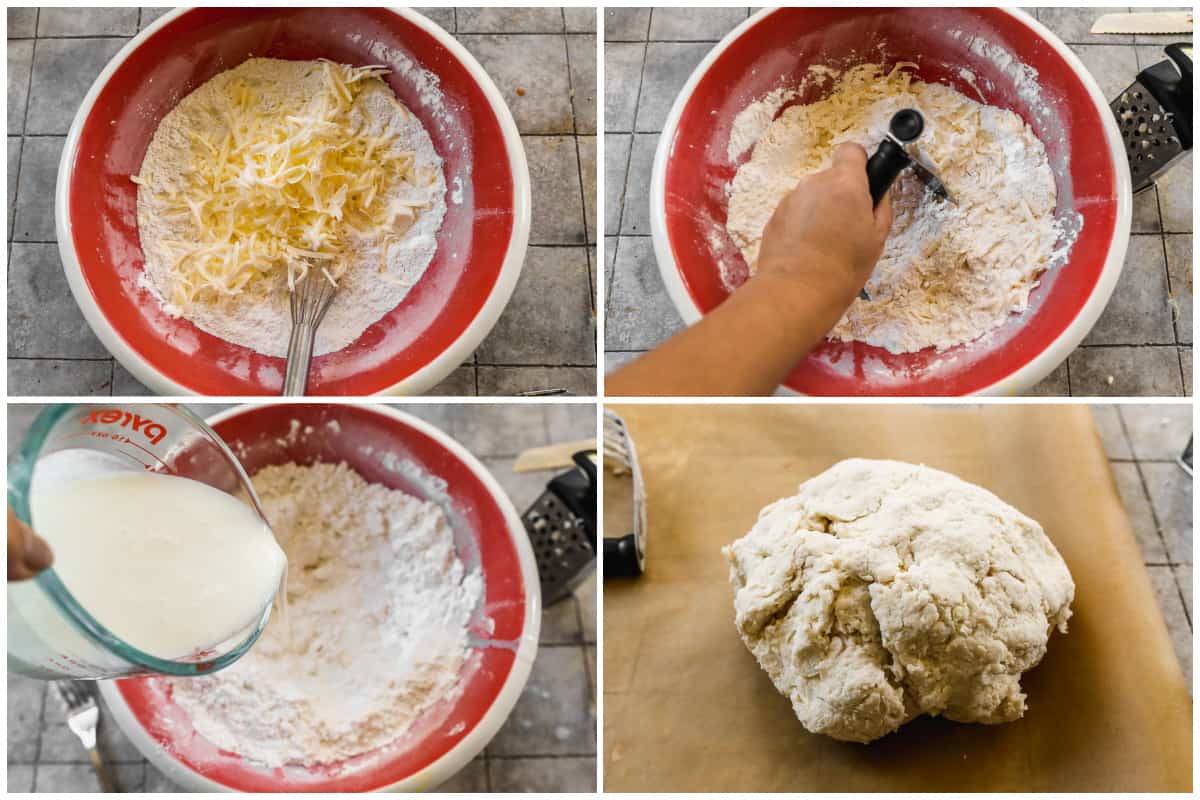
(455, 759)
(1037, 367)
(424, 378)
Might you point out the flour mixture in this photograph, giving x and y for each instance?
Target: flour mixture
(275, 169)
(378, 608)
(949, 273)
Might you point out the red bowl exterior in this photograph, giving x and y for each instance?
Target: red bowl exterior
(263, 433)
(785, 43)
(189, 50)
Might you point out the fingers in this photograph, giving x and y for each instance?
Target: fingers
(28, 553)
(849, 155)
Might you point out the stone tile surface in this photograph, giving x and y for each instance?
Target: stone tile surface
(640, 315)
(537, 330)
(1141, 516)
(1112, 431)
(148, 15)
(20, 778)
(1125, 372)
(22, 22)
(82, 778)
(46, 376)
(507, 381)
(125, 385)
(43, 319)
(1157, 432)
(35, 189)
(20, 63)
(1073, 25)
(622, 84)
(580, 19)
(581, 51)
(1056, 384)
(510, 20)
(616, 167)
(635, 221)
(531, 73)
(473, 778)
(25, 699)
(1175, 197)
(1138, 311)
(685, 24)
(87, 22)
(587, 172)
(14, 161)
(626, 24)
(543, 774)
(1179, 270)
(1171, 498)
(668, 65)
(63, 71)
(557, 195)
(1169, 600)
(553, 715)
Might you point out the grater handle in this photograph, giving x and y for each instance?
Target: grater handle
(621, 557)
(1173, 91)
(886, 163)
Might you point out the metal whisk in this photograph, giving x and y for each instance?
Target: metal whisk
(310, 299)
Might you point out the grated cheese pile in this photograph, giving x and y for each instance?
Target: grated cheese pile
(270, 190)
(949, 273)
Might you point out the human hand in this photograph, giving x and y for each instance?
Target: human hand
(28, 553)
(824, 235)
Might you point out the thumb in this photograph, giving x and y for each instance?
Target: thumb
(849, 155)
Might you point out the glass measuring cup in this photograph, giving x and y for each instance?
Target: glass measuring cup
(50, 635)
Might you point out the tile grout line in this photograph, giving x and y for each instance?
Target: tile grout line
(578, 162)
(637, 104)
(1145, 489)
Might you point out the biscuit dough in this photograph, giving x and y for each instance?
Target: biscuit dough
(884, 590)
(949, 273)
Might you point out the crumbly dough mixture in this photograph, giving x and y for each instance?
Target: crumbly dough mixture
(378, 605)
(884, 590)
(949, 273)
(276, 167)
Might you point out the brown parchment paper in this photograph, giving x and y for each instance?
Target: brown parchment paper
(686, 707)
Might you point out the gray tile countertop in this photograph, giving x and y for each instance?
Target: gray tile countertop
(543, 60)
(1142, 345)
(548, 743)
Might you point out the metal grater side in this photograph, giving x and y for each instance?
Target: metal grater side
(1148, 133)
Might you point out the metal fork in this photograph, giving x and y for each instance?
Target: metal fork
(310, 299)
(83, 718)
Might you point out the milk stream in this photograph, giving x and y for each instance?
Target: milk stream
(172, 566)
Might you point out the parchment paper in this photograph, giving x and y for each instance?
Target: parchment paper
(687, 709)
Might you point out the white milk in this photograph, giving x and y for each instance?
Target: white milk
(170, 565)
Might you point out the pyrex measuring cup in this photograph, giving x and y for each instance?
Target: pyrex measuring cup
(50, 635)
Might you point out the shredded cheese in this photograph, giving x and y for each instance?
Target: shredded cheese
(275, 193)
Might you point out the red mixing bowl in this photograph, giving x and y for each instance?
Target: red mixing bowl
(1003, 54)
(481, 244)
(392, 448)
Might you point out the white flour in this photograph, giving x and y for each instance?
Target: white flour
(949, 273)
(378, 606)
(263, 323)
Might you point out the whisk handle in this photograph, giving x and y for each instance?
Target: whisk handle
(299, 359)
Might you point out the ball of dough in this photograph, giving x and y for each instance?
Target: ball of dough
(884, 590)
